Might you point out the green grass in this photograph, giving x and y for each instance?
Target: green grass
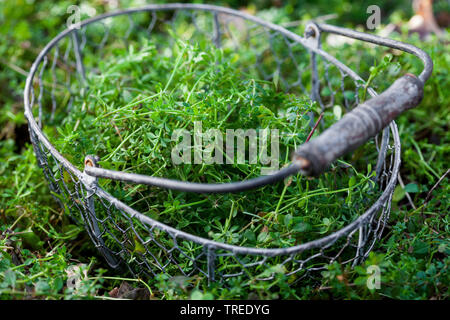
(38, 242)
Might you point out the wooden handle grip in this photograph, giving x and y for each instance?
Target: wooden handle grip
(358, 126)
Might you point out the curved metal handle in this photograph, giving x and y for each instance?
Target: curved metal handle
(386, 42)
(359, 125)
(91, 169)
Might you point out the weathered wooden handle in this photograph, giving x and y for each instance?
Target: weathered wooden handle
(359, 125)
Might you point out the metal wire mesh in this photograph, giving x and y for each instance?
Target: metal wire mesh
(117, 229)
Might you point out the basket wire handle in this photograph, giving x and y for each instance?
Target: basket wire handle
(193, 186)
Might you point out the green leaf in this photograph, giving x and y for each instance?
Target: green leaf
(412, 188)
(442, 248)
(22, 31)
(32, 240)
(399, 194)
(5, 261)
(337, 111)
(325, 91)
(352, 182)
(127, 97)
(421, 248)
(301, 227)
(350, 95)
(10, 278)
(287, 220)
(42, 286)
(138, 246)
(57, 284)
(196, 295)
(250, 235)
(263, 236)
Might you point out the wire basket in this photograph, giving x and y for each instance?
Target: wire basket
(59, 73)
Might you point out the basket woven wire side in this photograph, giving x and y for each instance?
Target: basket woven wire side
(59, 74)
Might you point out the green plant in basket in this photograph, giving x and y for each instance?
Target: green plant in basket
(140, 98)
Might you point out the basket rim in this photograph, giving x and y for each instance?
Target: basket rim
(321, 242)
